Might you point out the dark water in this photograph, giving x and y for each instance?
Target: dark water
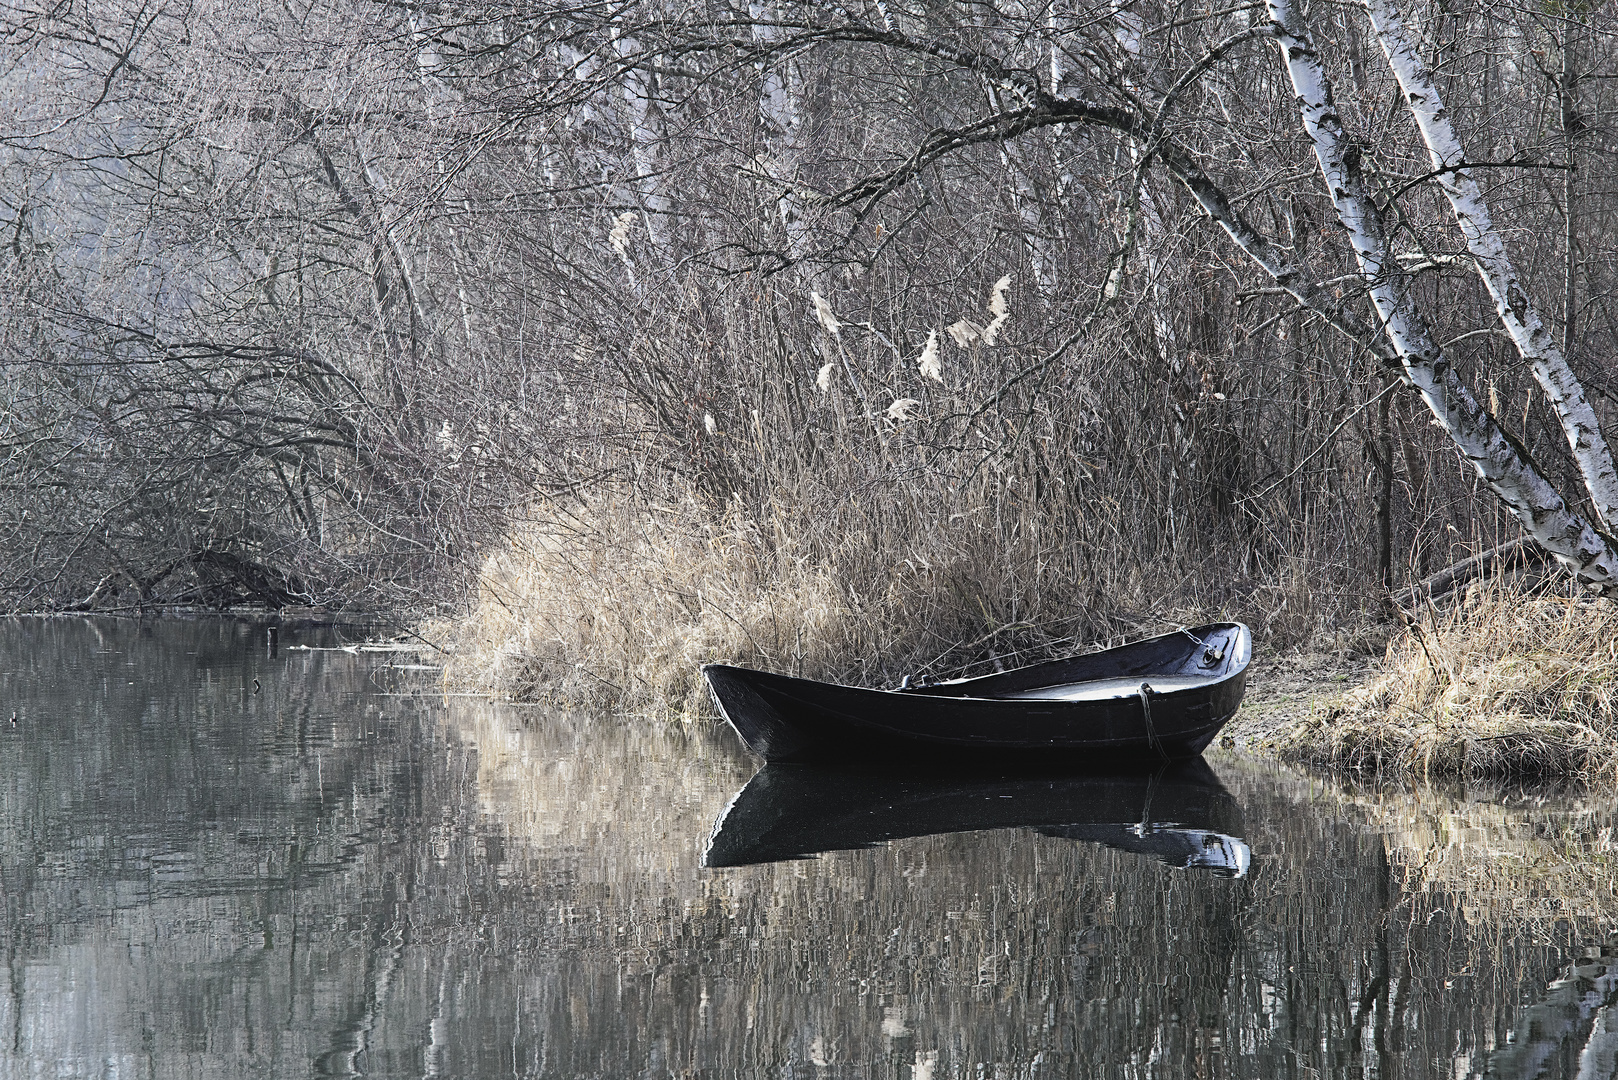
(333, 874)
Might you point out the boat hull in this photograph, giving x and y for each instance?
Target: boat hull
(1100, 707)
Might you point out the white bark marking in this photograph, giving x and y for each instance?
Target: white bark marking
(1128, 29)
(1516, 311)
(778, 109)
(1536, 504)
(646, 139)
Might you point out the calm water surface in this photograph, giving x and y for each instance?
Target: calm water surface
(216, 863)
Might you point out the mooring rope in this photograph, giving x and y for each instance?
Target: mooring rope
(1146, 823)
(1146, 711)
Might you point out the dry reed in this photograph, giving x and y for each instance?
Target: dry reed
(1506, 685)
(622, 601)
(847, 509)
(618, 600)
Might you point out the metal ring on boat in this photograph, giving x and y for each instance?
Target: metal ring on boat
(1210, 654)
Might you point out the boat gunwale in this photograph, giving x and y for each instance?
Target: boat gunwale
(1237, 668)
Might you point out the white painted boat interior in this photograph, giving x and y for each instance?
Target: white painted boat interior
(1102, 689)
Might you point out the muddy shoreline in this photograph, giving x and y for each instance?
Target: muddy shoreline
(1282, 690)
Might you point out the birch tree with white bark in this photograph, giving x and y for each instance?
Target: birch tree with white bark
(1504, 465)
(437, 259)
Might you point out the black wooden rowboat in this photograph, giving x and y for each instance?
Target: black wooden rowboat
(1180, 814)
(1150, 701)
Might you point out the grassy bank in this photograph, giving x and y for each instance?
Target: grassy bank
(1506, 685)
(619, 600)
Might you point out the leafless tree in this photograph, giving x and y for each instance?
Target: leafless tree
(321, 296)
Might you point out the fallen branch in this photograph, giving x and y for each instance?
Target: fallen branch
(1509, 556)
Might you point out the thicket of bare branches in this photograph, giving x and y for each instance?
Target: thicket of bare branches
(313, 304)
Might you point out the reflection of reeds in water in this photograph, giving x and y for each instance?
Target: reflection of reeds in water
(576, 782)
(1504, 686)
(518, 892)
(1515, 859)
(983, 954)
(1525, 862)
(898, 957)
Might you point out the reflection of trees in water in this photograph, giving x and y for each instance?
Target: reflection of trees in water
(1486, 898)
(185, 861)
(203, 881)
(1571, 1030)
(1021, 948)
(1362, 961)
(136, 746)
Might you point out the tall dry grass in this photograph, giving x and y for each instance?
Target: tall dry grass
(1508, 684)
(620, 600)
(861, 500)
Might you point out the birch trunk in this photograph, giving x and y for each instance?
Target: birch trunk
(780, 120)
(1500, 461)
(646, 140)
(438, 100)
(1528, 331)
(1128, 30)
(1030, 203)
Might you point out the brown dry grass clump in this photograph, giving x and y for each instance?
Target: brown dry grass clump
(1507, 685)
(622, 601)
(619, 599)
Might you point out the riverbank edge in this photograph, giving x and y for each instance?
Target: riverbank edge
(1512, 684)
(1285, 691)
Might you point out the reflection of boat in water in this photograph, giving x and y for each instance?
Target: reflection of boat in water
(1181, 815)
